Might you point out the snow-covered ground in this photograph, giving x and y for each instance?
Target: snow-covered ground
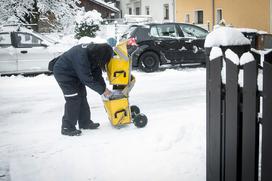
(171, 147)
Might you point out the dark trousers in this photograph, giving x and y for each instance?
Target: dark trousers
(76, 105)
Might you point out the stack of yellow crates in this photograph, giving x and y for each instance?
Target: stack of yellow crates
(118, 71)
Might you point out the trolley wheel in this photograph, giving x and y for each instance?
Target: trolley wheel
(140, 120)
(135, 109)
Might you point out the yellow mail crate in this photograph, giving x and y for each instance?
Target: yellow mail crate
(121, 49)
(118, 71)
(118, 111)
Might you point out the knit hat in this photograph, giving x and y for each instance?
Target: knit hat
(100, 53)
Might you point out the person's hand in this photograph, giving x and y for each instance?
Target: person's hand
(107, 93)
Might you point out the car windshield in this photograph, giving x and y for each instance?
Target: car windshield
(193, 31)
(128, 32)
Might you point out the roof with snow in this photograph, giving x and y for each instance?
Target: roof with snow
(15, 27)
(109, 6)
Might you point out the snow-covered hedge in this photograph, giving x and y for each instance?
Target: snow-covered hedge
(87, 23)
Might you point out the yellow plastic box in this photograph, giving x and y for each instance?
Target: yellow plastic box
(118, 71)
(118, 111)
(119, 67)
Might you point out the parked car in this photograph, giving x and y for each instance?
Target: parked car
(152, 45)
(25, 51)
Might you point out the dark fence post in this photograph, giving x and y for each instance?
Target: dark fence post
(267, 119)
(250, 126)
(232, 123)
(214, 119)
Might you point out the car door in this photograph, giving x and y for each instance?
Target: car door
(33, 55)
(192, 43)
(166, 40)
(8, 57)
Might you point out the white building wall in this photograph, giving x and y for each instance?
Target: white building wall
(156, 9)
(133, 4)
(123, 6)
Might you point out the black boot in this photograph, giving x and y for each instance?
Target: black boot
(90, 125)
(70, 132)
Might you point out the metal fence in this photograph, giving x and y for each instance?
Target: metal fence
(239, 118)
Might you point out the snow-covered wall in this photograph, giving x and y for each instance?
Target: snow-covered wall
(225, 36)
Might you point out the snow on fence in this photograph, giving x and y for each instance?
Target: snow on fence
(239, 114)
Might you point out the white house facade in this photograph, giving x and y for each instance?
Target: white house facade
(159, 10)
(130, 7)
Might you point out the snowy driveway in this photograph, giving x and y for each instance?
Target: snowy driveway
(170, 148)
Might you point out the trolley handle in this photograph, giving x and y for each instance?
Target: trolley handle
(120, 72)
(118, 112)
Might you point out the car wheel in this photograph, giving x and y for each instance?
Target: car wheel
(149, 62)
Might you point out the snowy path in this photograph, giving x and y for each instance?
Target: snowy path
(171, 147)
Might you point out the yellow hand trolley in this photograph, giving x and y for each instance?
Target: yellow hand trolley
(119, 75)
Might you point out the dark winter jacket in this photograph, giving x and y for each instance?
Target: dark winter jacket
(74, 66)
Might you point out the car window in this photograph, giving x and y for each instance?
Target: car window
(142, 34)
(193, 31)
(26, 40)
(165, 30)
(5, 39)
(154, 31)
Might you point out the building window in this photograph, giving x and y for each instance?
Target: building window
(147, 10)
(219, 16)
(166, 11)
(137, 10)
(199, 17)
(187, 18)
(130, 11)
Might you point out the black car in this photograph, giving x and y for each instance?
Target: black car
(153, 45)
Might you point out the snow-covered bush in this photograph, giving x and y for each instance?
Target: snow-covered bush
(87, 23)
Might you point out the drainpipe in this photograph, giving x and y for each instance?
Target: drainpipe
(213, 14)
(141, 13)
(270, 16)
(174, 10)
